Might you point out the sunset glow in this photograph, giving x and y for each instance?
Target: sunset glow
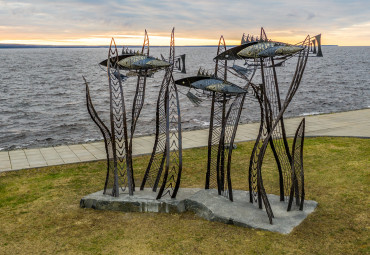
(82, 22)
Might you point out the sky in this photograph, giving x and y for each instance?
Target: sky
(196, 22)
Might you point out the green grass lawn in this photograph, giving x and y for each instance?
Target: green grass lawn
(40, 213)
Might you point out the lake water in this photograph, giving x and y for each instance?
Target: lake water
(42, 94)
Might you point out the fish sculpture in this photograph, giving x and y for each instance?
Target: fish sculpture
(268, 49)
(210, 83)
(257, 49)
(142, 62)
(138, 61)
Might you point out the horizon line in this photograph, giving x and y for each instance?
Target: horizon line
(16, 45)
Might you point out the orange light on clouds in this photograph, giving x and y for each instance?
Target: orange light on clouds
(129, 40)
(342, 37)
(81, 22)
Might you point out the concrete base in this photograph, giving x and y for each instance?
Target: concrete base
(142, 201)
(208, 205)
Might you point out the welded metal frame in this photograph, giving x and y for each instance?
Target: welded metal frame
(119, 178)
(168, 143)
(297, 187)
(272, 132)
(318, 40)
(139, 97)
(272, 128)
(222, 131)
(224, 118)
(216, 127)
(167, 149)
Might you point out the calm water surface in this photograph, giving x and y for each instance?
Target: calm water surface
(42, 95)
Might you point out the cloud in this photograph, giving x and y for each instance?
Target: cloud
(310, 16)
(207, 19)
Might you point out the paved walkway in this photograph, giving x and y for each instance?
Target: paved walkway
(352, 123)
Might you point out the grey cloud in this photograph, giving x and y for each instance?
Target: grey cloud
(310, 16)
(202, 19)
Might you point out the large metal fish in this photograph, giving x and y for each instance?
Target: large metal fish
(138, 62)
(257, 50)
(142, 62)
(268, 49)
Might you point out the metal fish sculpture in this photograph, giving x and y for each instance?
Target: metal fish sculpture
(209, 83)
(253, 50)
(258, 49)
(142, 62)
(138, 61)
(268, 49)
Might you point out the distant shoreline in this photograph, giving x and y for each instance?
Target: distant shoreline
(30, 46)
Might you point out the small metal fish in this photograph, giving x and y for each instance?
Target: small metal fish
(193, 98)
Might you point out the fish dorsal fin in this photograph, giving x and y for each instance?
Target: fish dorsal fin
(263, 36)
(243, 39)
(145, 48)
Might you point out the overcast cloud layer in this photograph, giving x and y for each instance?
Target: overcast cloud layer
(340, 22)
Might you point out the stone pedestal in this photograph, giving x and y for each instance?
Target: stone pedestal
(208, 205)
